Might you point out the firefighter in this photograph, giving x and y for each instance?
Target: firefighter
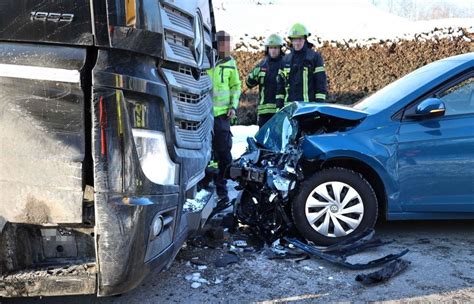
(225, 97)
(302, 76)
(265, 76)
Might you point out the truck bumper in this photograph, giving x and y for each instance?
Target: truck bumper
(127, 250)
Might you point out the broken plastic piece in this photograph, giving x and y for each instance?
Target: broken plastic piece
(226, 259)
(341, 260)
(240, 243)
(388, 271)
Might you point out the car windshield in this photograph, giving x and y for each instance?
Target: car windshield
(279, 130)
(402, 87)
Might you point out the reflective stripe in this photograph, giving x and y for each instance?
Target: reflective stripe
(118, 98)
(217, 94)
(269, 108)
(321, 96)
(305, 84)
(221, 103)
(280, 96)
(212, 164)
(284, 72)
(319, 69)
(262, 94)
(267, 111)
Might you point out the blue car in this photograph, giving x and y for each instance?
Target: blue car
(328, 171)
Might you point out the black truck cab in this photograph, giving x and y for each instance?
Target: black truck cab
(105, 132)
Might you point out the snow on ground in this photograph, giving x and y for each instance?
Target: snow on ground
(329, 20)
(239, 139)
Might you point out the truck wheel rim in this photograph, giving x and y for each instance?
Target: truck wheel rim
(334, 209)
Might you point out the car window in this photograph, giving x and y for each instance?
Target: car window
(404, 86)
(459, 99)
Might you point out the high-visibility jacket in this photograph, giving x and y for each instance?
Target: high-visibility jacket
(265, 76)
(302, 77)
(226, 86)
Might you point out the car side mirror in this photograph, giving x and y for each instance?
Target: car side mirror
(428, 108)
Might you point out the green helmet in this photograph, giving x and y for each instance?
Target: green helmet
(274, 40)
(298, 30)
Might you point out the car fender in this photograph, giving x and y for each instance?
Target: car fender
(379, 153)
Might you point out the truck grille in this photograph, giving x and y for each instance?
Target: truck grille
(190, 89)
(178, 19)
(193, 135)
(179, 37)
(192, 104)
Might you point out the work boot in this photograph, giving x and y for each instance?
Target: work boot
(223, 201)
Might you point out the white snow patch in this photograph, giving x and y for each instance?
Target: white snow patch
(239, 139)
(198, 203)
(327, 20)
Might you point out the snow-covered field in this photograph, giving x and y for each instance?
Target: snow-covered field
(328, 20)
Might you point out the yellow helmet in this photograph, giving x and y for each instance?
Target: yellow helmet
(298, 30)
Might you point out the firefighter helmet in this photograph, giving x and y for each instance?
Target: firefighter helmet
(298, 30)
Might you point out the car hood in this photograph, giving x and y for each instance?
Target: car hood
(334, 110)
(312, 117)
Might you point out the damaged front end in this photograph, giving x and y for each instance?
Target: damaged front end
(276, 172)
(271, 171)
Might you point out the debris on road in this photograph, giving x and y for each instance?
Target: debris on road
(240, 243)
(389, 271)
(338, 253)
(227, 259)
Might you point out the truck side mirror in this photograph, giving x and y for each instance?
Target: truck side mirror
(428, 108)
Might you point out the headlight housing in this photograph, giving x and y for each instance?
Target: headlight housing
(154, 158)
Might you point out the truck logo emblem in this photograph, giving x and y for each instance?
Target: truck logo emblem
(55, 17)
(198, 45)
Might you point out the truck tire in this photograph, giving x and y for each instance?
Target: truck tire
(332, 205)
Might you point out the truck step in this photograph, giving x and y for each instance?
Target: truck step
(73, 279)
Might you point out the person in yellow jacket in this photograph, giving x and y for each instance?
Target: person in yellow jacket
(225, 96)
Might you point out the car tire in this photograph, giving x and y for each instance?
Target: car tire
(334, 204)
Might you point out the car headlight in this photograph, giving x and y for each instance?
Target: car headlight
(154, 158)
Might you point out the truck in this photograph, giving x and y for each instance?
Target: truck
(105, 133)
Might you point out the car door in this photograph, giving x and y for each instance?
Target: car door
(436, 155)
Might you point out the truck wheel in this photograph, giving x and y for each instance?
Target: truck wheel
(332, 205)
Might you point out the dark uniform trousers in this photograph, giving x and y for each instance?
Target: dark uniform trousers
(222, 145)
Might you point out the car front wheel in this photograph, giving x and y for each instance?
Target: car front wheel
(334, 204)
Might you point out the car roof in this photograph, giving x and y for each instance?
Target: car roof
(463, 57)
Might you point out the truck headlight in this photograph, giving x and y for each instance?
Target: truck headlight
(154, 158)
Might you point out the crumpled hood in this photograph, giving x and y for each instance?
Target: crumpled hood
(339, 111)
(284, 125)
